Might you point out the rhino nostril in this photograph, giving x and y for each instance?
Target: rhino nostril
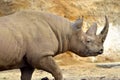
(101, 51)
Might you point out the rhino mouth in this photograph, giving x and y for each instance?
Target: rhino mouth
(94, 54)
(88, 54)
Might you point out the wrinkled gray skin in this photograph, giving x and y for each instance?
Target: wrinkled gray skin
(29, 40)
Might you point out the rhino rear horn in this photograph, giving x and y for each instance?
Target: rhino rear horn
(92, 30)
(78, 23)
(104, 32)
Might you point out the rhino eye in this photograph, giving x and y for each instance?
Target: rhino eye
(88, 41)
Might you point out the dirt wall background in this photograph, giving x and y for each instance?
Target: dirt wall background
(92, 10)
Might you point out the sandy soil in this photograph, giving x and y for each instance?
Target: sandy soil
(83, 71)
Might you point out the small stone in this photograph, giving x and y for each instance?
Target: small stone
(102, 77)
(4, 78)
(83, 79)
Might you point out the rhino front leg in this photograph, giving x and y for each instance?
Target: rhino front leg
(49, 65)
(26, 73)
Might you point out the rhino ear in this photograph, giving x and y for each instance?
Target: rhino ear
(92, 30)
(78, 23)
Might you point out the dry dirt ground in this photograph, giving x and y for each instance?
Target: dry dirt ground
(82, 71)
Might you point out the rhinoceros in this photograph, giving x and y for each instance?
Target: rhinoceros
(30, 39)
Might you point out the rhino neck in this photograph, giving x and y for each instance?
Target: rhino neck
(63, 40)
(62, 30)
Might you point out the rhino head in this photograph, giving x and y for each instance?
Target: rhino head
(88, 43)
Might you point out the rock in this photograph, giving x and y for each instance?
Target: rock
(108, 65)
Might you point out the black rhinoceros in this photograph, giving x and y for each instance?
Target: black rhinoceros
(30, 39)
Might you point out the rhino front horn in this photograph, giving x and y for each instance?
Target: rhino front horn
(104, 32)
